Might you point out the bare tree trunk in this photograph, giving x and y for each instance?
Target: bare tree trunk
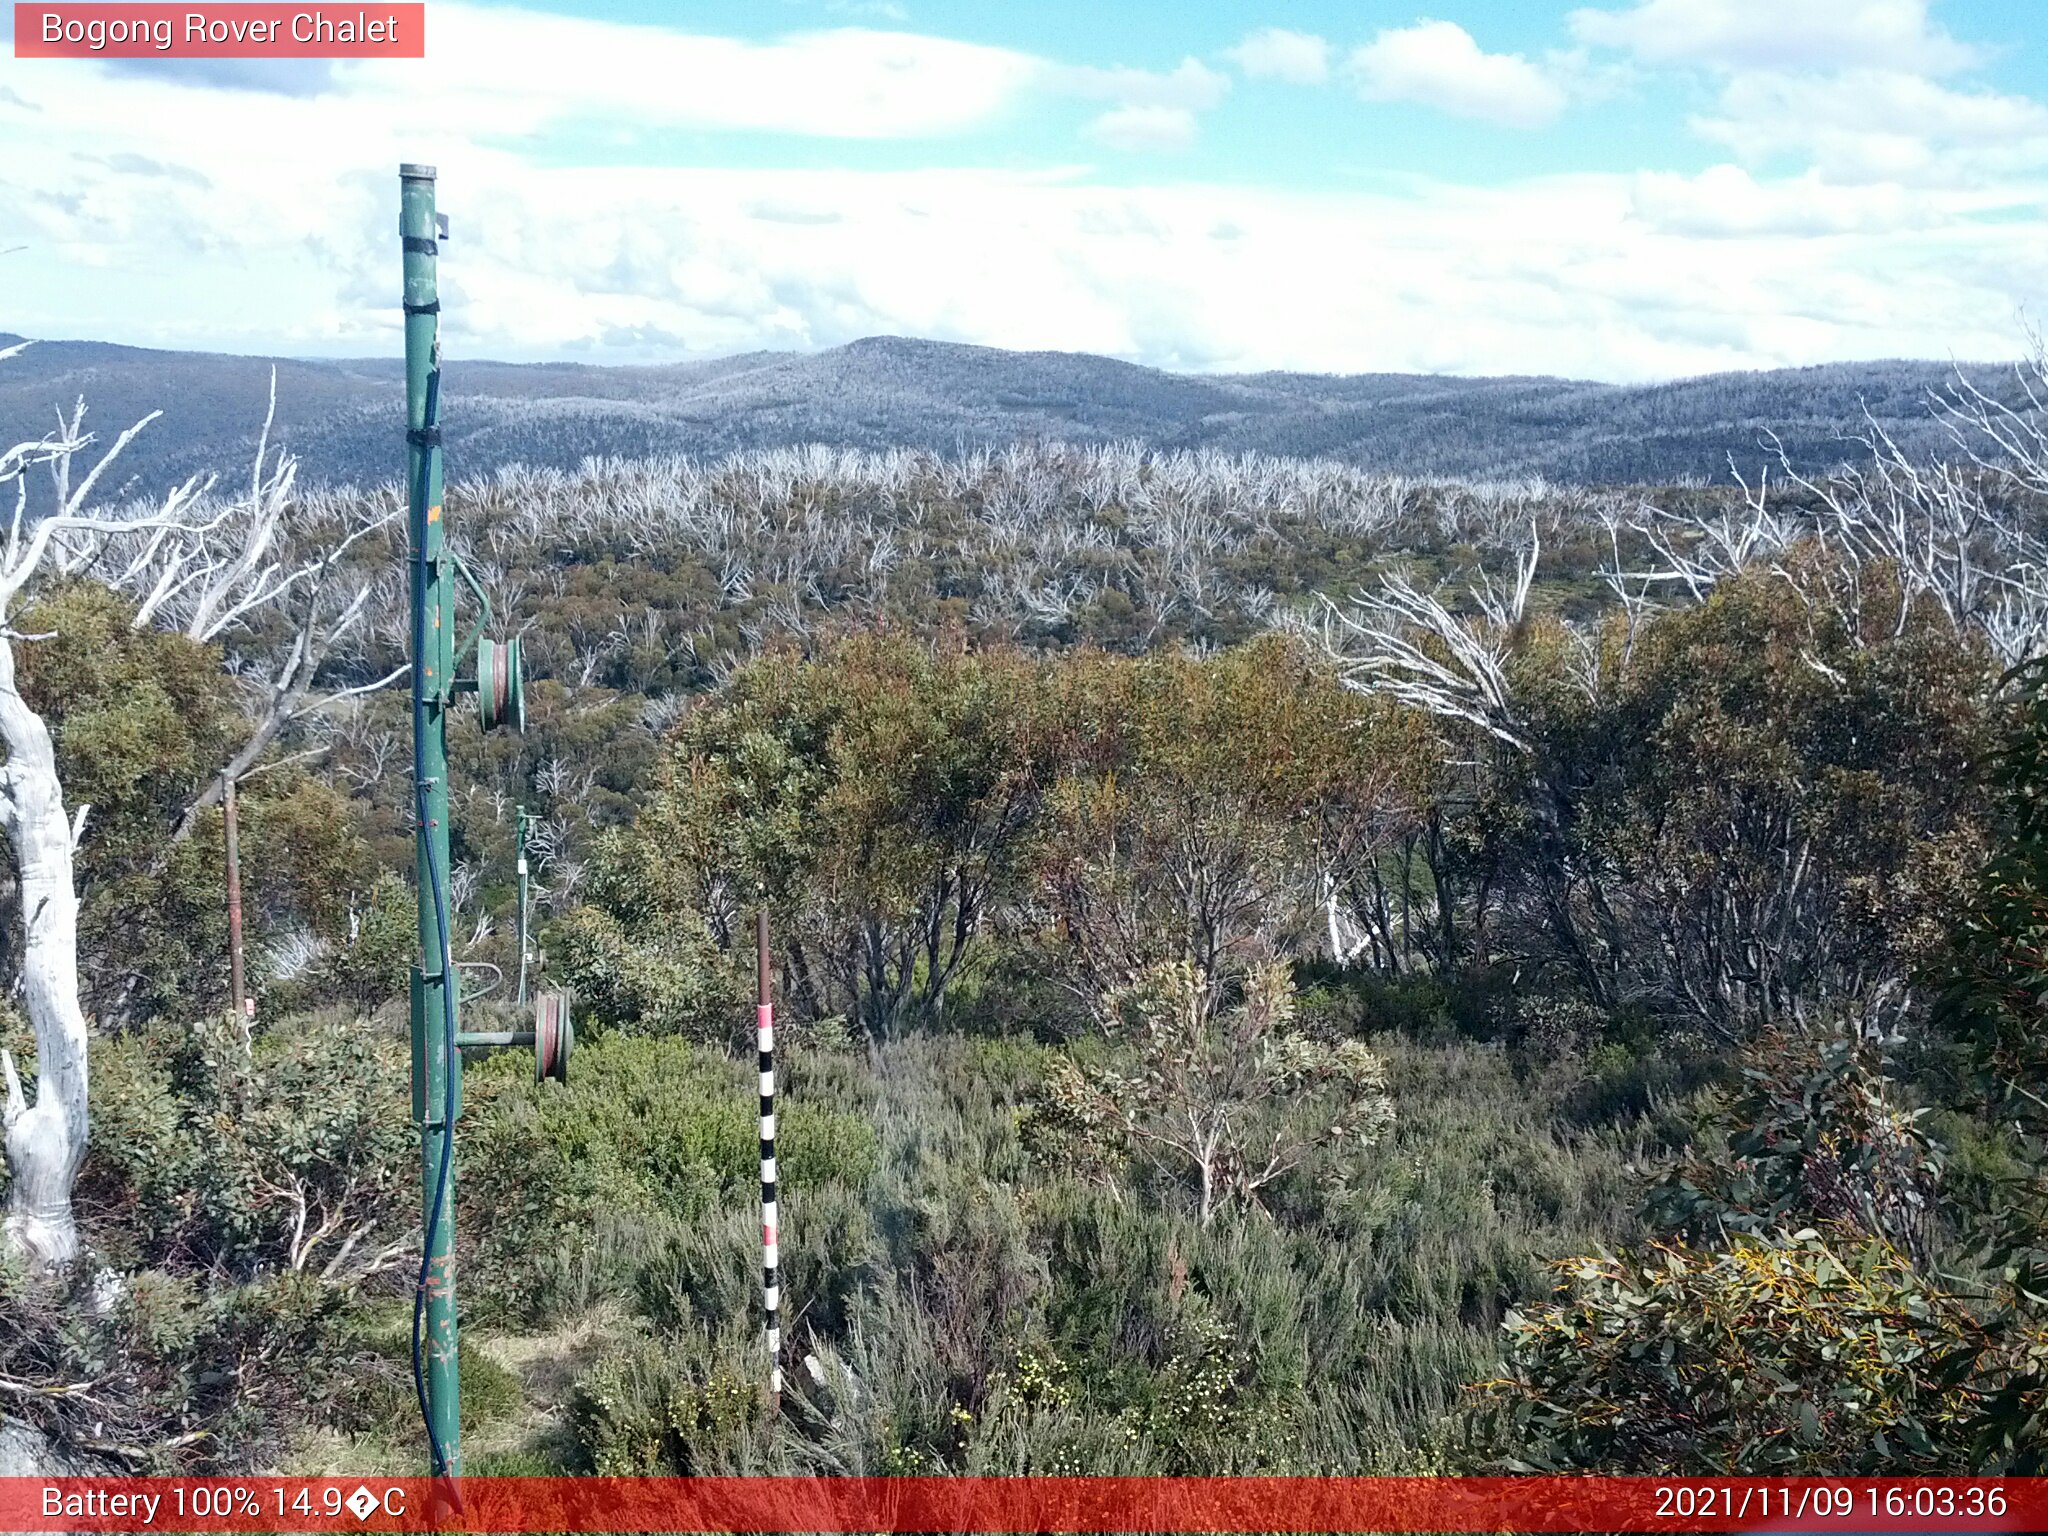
(46, 1140)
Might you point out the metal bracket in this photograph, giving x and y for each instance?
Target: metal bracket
(423, 1113)
(484, 614)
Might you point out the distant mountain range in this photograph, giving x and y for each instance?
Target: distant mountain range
(344, 418)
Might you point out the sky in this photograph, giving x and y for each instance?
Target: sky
(1629, 190)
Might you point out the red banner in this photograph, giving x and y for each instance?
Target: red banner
(1022, 1504)
(259, 30)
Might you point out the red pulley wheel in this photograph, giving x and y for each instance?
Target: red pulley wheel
(500, 684)
(554, 1037)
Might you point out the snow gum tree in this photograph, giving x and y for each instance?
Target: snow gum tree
(204, 565)
(46, 1139)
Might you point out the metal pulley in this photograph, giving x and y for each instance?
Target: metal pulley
(500, 683)
(544, 1024)
(554, 1037)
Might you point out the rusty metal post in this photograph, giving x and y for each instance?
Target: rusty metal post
(525, 819)
(238, 992)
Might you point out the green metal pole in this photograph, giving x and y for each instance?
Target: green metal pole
(436, 1068)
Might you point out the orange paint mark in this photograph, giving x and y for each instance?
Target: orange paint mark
(433, 514)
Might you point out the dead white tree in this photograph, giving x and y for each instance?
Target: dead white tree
(207, 567)
(46, 1140)
(1960, 532)
(265, 552)
(1404, 642)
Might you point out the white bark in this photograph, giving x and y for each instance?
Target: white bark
(1403, 642)
(45, 1140)
(205, 566)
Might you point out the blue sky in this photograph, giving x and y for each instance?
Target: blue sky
(1630, 189)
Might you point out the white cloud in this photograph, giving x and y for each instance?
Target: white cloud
(1777, 34)
(1153, 111)
(1880, 126)
(1274, 53)
(1850, 90)
(290, 245)
(1726, 202)
(1192, 86)
(888, 10)
(1604, 276)
(1143, 128)
(522, 70)
(1438, 64)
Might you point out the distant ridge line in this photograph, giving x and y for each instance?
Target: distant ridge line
(338, 415)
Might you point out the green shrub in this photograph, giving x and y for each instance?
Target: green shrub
(293, 1151)
(665, 980)
(1801, 1353)
(569, 1190)
(379, 1396)
(649, 1408)
(374, 965)
(163, 1372)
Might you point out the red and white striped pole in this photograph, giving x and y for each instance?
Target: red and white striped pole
(771, 1287)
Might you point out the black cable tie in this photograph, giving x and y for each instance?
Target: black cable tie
(423, 437)
(422, 309)
(417, 246)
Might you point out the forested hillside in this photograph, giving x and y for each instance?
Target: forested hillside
(891, 392)
(1284, 967)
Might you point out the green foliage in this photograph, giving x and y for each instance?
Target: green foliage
(659, 975)
(374, 963)
(169, 1371)
(1818, 1134)
(143, 722)
(1799, 1353)
(1732, 814)
(303, 856)
(965, 1304)
(648, 1137)
(1220, 1088)
(878, 797)
(646, 1410)
(1199, 803)
(248, 1198)
(1996, 976)
(379, 1395)
(1208, 1409)
(295, 1153)
(141, 719)
(1727, 818)
(1835, 1347)
(894, 799)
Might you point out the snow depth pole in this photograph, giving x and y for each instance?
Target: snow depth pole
(436, 1062)
(771, 1286)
